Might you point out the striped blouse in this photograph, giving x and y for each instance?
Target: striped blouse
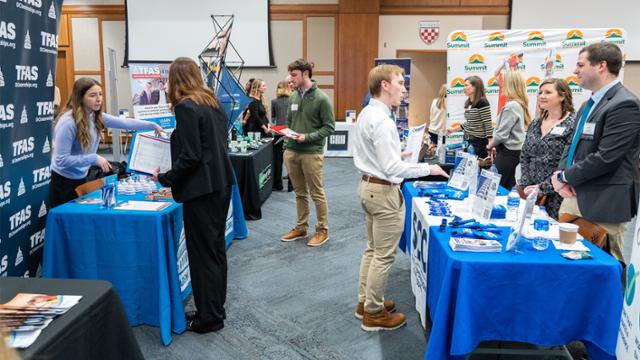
(478, 120)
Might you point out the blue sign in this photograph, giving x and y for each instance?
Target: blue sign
(231, 95)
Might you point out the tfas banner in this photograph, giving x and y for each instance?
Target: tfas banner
(29, 45)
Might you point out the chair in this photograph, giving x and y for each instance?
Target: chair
(89, 187)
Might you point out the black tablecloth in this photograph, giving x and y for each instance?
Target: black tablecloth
(254, 172)
(95, 328)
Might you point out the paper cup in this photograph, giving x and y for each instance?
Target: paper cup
(568, 233)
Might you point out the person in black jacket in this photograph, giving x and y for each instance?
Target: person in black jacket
(201, 178)
(257, 120)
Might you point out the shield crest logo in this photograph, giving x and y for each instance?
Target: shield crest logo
(429, 31)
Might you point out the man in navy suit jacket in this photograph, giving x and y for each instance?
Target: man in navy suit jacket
(599, 178)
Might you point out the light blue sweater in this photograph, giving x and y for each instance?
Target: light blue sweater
(69, 159)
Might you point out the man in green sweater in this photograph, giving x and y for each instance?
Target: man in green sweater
(310, 115)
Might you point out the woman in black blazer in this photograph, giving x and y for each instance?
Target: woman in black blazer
(200, 178)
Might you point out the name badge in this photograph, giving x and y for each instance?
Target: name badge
(294, 107)
(589, 129)
(557, 130)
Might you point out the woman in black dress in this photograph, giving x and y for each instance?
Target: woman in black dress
(257, 120)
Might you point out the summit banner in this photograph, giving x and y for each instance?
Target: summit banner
(482, 52)
(29, 46)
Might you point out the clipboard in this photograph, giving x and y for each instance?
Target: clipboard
(148, 152)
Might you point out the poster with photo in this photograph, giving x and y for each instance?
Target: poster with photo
(150, 100)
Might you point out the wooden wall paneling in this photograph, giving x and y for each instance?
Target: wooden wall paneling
(444, 10)
(418, 3)
(484, 3)
(63, 34)
(93, 10)
(306, 9)
(358, 47)
(359, 6)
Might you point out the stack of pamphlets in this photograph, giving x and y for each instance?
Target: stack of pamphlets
(24, 317)
(163, 193)
(474, 245)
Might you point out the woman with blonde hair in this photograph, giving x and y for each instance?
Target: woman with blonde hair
(279, 107)
(438, 115)
(509, 133)
(257, 117)
(200, 178)
(77, 132)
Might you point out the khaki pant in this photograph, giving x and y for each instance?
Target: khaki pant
(615, 230)
(305, 172)
(384, 211)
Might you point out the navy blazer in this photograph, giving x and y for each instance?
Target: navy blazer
(200, 163)
(605, 168)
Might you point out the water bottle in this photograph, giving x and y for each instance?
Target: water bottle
(441, 150)
(540, 239)
(494, 169)
(234, 133)
(513, 204)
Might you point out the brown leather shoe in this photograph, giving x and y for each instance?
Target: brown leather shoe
(382, 320)
(389, 305)
(319, 238)
(293, 235)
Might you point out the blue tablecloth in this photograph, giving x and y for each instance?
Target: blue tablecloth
(536, 297)
(137, 251)
(408, 191)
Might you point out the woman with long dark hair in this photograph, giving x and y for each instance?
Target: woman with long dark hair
(200, 178)
(477, 114)
(77, 131)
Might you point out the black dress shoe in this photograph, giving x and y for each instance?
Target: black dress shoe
(190, 315)
(195, 326)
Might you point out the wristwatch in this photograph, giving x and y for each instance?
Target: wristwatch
(560, 177)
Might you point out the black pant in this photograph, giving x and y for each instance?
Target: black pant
(506, 162)
(62, 189)
(479, 146)
(204, 224)
(277, 162)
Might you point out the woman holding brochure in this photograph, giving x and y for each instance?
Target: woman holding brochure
(77, 131)
(200, 178)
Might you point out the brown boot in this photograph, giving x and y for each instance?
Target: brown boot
(382, 320)
(319, 238)
(294, 234)
(389, 305)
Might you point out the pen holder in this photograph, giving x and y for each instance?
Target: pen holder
(108, 196)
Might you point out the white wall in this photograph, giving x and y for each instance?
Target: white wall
(112, 37)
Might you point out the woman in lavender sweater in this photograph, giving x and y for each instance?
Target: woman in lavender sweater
(77, 132)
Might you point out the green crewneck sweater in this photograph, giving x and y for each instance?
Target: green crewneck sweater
(310, 114)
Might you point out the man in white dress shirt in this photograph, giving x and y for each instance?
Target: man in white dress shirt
(377, 156)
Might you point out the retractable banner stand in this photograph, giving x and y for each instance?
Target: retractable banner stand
(628, 346)
(149, 86)
(28, 48)
(538, 53)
